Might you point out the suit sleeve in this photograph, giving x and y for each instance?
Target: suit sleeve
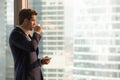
(20, 41)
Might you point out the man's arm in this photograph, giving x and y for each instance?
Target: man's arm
(20, 41)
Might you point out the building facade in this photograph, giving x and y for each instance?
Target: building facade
(96, 40)
(51, 18)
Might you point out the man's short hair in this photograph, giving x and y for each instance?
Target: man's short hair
(26, 14)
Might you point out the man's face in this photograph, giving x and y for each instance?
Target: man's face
(32, 22)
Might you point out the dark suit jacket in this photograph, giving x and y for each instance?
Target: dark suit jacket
(25, 54)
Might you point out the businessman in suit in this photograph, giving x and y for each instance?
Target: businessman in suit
(24, 47)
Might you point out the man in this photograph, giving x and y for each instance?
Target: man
(24, 47)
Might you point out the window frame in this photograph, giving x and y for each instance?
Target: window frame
(18, 5)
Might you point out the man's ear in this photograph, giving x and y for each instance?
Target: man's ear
(26, 20)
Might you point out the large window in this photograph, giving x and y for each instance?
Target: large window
(88, 36)
(81, 37)
(6, 22)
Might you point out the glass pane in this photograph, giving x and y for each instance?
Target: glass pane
(6, 22)
(81, 36)
(56, 39)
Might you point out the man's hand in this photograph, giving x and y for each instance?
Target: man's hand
(38, 28)
(45, 60)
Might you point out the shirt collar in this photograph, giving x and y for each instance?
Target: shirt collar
(26, 32)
